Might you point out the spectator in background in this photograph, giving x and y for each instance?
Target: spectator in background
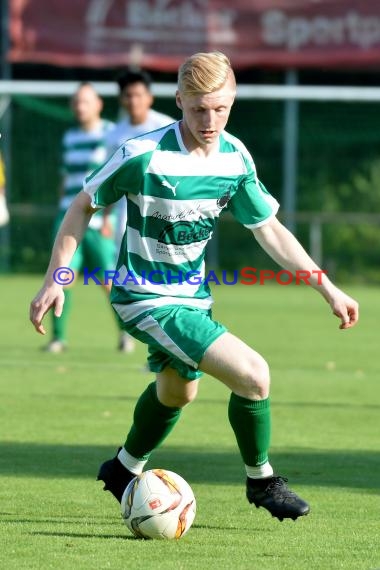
(136, 100)
(83, 151)
(4, 214)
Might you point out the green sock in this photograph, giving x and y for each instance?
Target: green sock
(250, 420)
(60, 323)
(152, 422)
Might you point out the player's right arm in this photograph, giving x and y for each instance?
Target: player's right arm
(103, 187)
(70, 234)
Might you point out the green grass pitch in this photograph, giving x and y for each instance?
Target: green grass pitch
(62, 415)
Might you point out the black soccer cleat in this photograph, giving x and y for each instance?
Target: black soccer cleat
(115, 476)
(273, 494)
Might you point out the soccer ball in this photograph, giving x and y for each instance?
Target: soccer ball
(158, 504)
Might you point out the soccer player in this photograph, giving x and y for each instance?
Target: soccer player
(83, 151)
(177, 181)
(136, 100)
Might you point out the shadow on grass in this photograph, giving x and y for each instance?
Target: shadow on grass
(82, 535)
(340, 468)
(223, 400)
(16, 519)
(126, 536)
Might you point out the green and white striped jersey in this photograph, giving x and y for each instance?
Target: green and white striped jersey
(174, 201)
(82, 152)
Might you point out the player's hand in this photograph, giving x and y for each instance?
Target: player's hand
(345, 308)
(46, 298)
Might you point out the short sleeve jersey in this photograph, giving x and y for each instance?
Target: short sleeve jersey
(174, 200)
(82, 152)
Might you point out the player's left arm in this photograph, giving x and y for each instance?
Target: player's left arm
(281, 245)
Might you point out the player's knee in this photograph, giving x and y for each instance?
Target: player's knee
(257, 379)
(185, 399)
(262, 382)
(179, 399)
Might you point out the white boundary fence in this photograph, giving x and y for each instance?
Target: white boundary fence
(48, 88)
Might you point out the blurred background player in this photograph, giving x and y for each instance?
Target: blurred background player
(83, 151)
(4, 214)
(136, 100)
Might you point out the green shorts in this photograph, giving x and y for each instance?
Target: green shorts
(95, 250)
(177, 336)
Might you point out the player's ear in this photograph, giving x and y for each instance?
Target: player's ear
(178, 100)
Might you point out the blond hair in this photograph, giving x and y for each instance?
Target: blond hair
(204, 72)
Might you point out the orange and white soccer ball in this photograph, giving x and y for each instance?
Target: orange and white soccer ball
(158, 504)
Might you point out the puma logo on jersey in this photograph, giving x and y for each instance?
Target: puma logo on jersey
(168, 185)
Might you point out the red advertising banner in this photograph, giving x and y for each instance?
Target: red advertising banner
(159, 34)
